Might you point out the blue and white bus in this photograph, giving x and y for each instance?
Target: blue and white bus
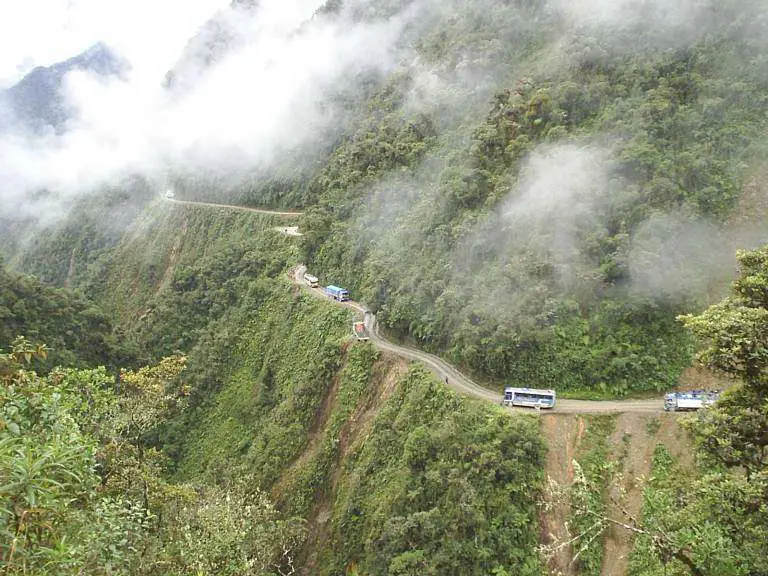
(337, 293)
(530, 397)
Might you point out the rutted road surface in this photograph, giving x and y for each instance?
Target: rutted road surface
(464, 385)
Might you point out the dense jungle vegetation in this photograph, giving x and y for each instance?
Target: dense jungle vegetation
(524, 219)
(715, 521)
(252, 432)
(75, 330)
(426, 219)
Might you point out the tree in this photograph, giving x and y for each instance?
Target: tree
(82, 492)
(53, 519)
(717, 523)
(232, 530)
(733, 435)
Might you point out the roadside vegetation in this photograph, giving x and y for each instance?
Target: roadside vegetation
(83, 492)
(707, 516)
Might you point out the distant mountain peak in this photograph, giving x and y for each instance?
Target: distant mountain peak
(35, 102)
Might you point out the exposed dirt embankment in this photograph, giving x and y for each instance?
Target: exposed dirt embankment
(564, 435)
(631, 447)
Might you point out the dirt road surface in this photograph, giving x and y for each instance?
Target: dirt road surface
(463, 384)
(237, 208)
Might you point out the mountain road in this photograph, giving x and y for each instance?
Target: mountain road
(463, 384)
(452, 377)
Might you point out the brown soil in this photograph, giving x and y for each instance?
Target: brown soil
(675, 440)
(632, 450)
(632, 445)
(563, 434)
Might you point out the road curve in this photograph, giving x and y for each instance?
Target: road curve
(463, 384)
(450, 375)
(238, 208)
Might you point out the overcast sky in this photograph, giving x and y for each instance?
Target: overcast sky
(149, 33)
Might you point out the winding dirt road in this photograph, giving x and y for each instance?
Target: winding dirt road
(238, 208)
(464, 385)
(447, 373)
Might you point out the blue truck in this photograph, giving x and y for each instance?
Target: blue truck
(337, 293)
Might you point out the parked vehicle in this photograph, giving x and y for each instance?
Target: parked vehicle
(337, 293)
(530, 397)
(693, 400)
(311, 280)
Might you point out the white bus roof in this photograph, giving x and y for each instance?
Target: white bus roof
(528, 390)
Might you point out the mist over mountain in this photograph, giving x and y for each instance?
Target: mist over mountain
(540, 193)
(37, 103)
(536, 154)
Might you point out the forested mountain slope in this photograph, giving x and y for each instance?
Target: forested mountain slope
(374, 468)
(534, 192)
(531, 189)
(75, 329)
(353, 447)
(552, 241)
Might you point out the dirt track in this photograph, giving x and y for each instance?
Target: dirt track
(464, 385)
(450, 375)
(238, 208)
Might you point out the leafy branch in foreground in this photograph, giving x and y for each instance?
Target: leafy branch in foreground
(82, 492)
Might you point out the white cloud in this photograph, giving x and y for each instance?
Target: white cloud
(149, 33)
(263, 96)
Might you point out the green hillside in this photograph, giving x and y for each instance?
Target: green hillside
(350, 446)
(541, 196)
(471, 247)
(75, 329)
